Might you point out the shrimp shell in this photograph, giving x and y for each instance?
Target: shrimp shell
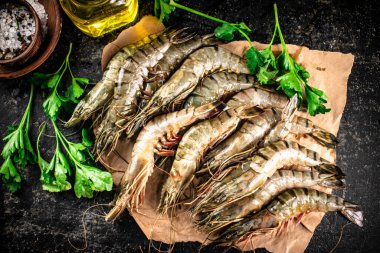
(324, 175)
(266, 98)
(170, 61)
(290, 204)
(160, 132)
(196, 141)
(185, 79)
(130, 83)
(103, 90)
(246, 138)
(248, 176)
(218, 85)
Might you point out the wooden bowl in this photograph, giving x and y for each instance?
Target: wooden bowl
(33, 47)
(47, 47)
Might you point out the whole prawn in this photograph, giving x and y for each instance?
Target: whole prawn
(292, 203)
(158, 74)
(248, 176)
(157, 137)
(324, 175)
(194, 144)
(185, 79)
(175, 45)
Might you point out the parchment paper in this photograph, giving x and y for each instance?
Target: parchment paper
(329, 72)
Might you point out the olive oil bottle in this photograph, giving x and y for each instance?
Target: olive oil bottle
(98, 17)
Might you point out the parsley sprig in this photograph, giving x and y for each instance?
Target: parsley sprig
(69, 156)
(52, 82)
(54, 174)
(291, 76)
(18, 150)
(284, 70)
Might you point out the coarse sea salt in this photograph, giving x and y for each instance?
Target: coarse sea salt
(17, 26)
(41, 12)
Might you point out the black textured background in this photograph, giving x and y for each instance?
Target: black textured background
(36, 221)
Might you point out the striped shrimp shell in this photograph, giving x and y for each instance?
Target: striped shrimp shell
(185, 79)
(161, 131)
(324, 175)
(290, 204)
(248, 176)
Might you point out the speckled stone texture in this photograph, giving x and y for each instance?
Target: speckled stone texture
(36, 221)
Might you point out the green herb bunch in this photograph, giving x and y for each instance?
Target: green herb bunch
(290, 76)
(18, 150)
(68, 156)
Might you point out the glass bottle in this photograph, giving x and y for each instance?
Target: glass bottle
(98, 17)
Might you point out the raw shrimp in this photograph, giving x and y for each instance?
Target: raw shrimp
(235, 147)
(290, 204)
(157, 137)
(196, 141)
(103, 90)
(301, 126)
(185, 79)
(218, 85)
(174, 44)
(248, 138)
(324, 175)
(248, 176)
(160, 72)
(166, 54)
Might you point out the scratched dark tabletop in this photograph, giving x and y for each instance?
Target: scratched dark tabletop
(33, 220)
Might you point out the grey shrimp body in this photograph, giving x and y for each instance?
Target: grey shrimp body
(158, 135)
(185, 79)
(246, 177)
(292, 203)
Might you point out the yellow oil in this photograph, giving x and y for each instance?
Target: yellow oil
(98, 17)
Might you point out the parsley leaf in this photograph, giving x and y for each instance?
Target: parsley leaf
(25, 155)
(10, 176)
(52, 106)
(17, 149)
(227, 31)
(89, 179)
(254, 60)
(163, 9)
(76, 89)
(86, 139)
(53, 174)
(315, 101)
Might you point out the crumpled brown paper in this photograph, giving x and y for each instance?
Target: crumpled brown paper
(329, 72)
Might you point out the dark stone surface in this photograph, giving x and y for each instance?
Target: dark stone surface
(36, 221)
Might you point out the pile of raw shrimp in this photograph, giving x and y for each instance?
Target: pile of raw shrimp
(178, 94)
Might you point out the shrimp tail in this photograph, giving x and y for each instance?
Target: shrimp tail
(353, 213)
(325, 138)
(331, 176)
